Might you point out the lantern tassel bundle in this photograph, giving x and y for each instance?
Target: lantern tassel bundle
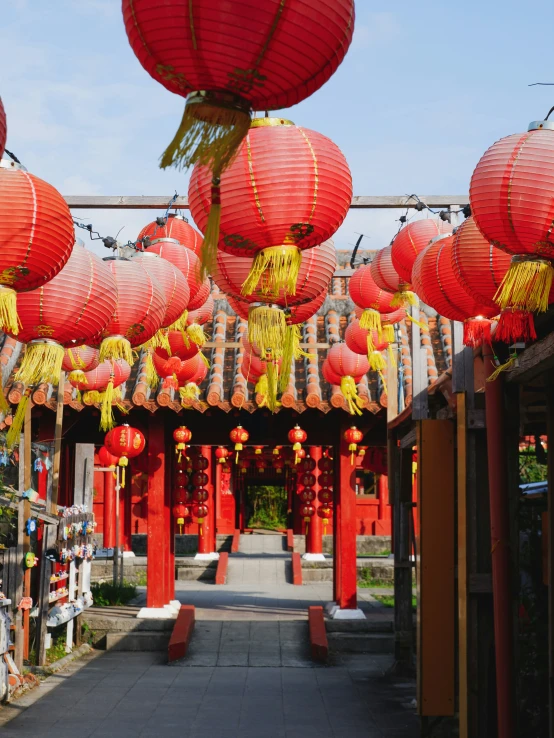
(190, 391)
(275, 269)
(404, 297)
(196, 334)
(370, 320)
(116, 347)
(515, 325)
(12, 436)
(477, 331)
(9, 318)
(267, 328)
(152, 378)
(526, 284)
(107, 420)
(350, 392)
(291, 350)
(42, 363)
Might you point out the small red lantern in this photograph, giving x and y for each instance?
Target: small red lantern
(258, 450)
(222, 454)
(199, 511)
(307, 464)
(244, 465)
(353, 437)
(125, 443)
(411, 240)
(176, 228)
(300, 454)
(297, 437)
(181, 478)
(106, 458)
(325, 464)
(181, 435)
(239, 436)
(226, 469)
(307, 495)
(180, 512)
(325, 496)
(278, 465)
(200, 494)
(78, 360)
(325, 513)
(387, 278)
(307, 511)
(326, 479)
(307, 479)
(261, 465)
(199, 463)
(200, 479)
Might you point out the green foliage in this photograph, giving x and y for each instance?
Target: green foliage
(107, 594)
(388, 600)
(529, 468)
(8, 517)
(366, 581)
(140, 579)
(268, 507)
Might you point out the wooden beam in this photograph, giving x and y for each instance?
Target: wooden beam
(160, 202)
(532, 362)
(57, 446)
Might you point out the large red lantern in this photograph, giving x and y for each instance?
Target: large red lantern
(411, 240)
(353, 437)
(188, 264)
(181, 346)
(512, 200)
(367, 343)
(100, 385)
(239, 436)
(139, 313)
(250, 60)
(125, 443)
(372, 299)
(106, 458)
(197, 318)
(80, 359)
(297, 437)
(387, 278)
(350, 368)
(174, 226)
(181, 435)
(445, 293)
(36, 233)
(174, 285)
(301, 170)
(3, 129)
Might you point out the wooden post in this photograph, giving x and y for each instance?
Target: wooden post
(346, 522)
(156, 564)
(109, 508)
(26, 515)
(392, 385)
(420, 404)
(314, 541)
(550, 432)
(57, 446)
(400, 466)
(44, 590)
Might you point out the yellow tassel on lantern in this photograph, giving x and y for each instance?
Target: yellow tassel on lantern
(196, 334)
(352, 447)
(388, 333)
(152, 378)
(158, 340)
(122, 463)
(4, 407)
(189, 392)
(208, 253)
(350, 392)
(13, 434)
(42, 363)
(180, 324)
(9, 319)
(502, 368)
(377, 361)
(370, 320)
(383, 381)
(92, 397)
(274, 270)
(404, 297)
(107, 420)
(77, 376)
(116, 347)
(261, 389)
(526, 285)
(267, 329)
(392, 357)
(421, 326)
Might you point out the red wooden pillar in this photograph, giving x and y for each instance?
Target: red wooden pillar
(217, 474)
(383, 522)
(206, 541)
(109, 509)
(337, 550)
(345, 523)
(156, 566)
(314, 543)
(169, 533)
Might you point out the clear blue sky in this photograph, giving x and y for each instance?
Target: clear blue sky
(425, 88)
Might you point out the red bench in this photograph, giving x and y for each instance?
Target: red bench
(290, 540)
(236, 542)
(221, 572)
(182, 633)
(296, 568)
(319, 646)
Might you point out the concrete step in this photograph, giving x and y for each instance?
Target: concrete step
(197, 573)
(138, 641)
(361, 642)
(359, 626)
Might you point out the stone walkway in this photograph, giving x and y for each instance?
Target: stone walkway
(247, 673)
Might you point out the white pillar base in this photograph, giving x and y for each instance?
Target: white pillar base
(157, 613)
(313, 557)
(336, 613)
(213, 556)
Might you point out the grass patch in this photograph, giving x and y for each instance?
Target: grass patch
(388, 600)
(366, 580)
(108, 594)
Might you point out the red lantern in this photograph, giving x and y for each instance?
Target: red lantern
(307, 495)
(3, 129)
(199, 317)
(175, 227)
(512, 200)
(308, 464)
(101, 386)
(244, 465)
(411, 240)
(36, 233)
(140, 310)
(239, 436)
(366, 343)
(181, 478)
(372, 299)
(79, 359)
(387, 278)
(226, 469)
(125, 443)
(299, 455)
(326, 479)
(297, 437)
(200, 478)
(294, 315)
(199, 511)
(250, 61)
(180, 512)
(278, 465)
(199, 463)
(353, 437)
(325, 496)
(325, 464)
(199, 494)
(325, 513)
(181, 435)
(302, 170)
(261, 465)
(445, 293)
(375, 460)
(174, 285)
(222, 454)
(307, 511)
(106, 458)
(349, 367)
(188, 264)
(181, 346)
(307, 479)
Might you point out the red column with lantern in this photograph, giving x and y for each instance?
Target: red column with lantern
(314, 547)
(203, 503)
(156, 564)
(383, 524)
(108, 460)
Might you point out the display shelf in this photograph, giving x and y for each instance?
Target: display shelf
(55, 578)
(54, 596)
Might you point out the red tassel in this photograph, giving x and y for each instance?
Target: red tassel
(515, 325)
(477, 331)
